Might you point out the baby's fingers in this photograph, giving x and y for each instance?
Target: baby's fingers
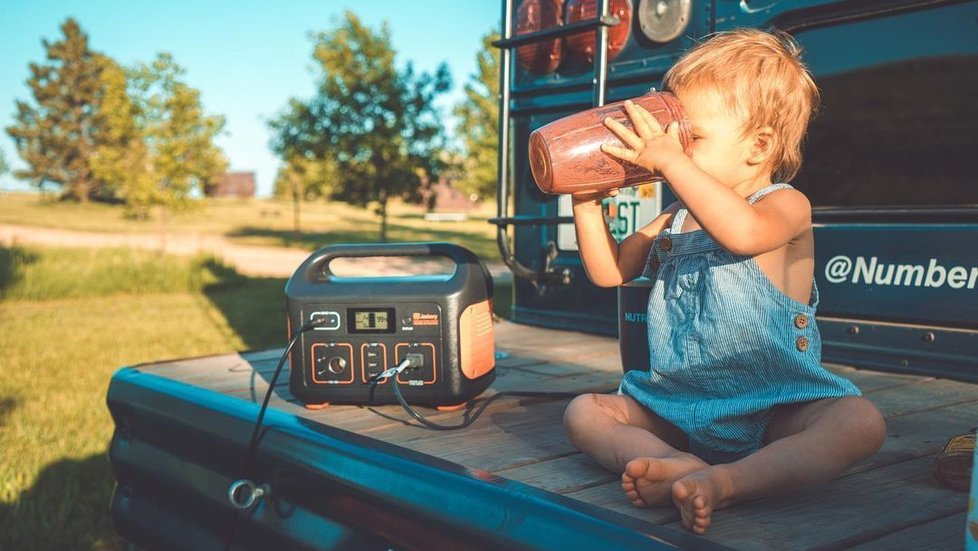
(624, 133)
(645, 124)
(620, 152)
(651, 123)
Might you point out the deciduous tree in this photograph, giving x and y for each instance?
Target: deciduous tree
(478, 125)
(121, 160)
(178, 136)
(302, 179)
(377, 123)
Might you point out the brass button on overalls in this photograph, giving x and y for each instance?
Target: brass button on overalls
(665, 244)
(801, 343)
(801, 321)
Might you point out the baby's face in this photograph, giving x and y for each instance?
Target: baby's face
(719, 146)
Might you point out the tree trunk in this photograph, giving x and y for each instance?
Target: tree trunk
(383, 217)
(296, 198)
(163, 222)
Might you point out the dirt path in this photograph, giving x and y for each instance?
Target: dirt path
(248, 260)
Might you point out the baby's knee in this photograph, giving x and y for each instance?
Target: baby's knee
(578, 411)
(866, 423)
(584, 413)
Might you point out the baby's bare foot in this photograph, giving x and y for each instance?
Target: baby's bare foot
(699, 494)
(647, 481)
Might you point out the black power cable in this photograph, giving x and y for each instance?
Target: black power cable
(392, 374)
(253, 444)
(389, 373)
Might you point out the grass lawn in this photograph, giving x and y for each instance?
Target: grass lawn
(260, 222)
(68, 319)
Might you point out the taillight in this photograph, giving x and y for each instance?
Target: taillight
(582, 44)
(537, 15)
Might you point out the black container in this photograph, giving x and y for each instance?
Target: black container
(633, 338)
(442, 322)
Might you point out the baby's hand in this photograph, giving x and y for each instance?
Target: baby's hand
(648, 145)
(592, 196)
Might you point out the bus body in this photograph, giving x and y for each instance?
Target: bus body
(890, 168)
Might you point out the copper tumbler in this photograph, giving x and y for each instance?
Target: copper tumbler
(566, 156)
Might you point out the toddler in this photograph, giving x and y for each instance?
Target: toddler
(736, 405)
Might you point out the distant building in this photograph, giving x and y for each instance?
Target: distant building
(235, 184)
(442, 197)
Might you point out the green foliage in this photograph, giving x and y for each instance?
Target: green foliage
(178, 138)
(60, 349)
(121, 159)
(59, 274)
(305, 179)
(478, 126)
(98, 132)
(377, 124)
(57, 135)
(4, 167)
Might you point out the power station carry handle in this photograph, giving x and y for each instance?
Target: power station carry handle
(467, 264)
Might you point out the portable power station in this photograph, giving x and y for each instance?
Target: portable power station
(441, 324)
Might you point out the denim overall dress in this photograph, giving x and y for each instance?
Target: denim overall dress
(726, 345)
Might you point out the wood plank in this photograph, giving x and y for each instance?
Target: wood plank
(846, 512)
(872, 381)
(561, 475)
(927, 394)
(517, 436)
(610, 496)
(920, 434)
(943, 534)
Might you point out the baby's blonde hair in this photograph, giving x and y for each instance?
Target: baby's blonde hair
(762, 79)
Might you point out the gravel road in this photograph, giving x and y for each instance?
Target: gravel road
(253, 261)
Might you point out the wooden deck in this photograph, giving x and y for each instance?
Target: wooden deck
(890, 501)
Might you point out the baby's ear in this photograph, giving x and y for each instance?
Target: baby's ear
(763, 145)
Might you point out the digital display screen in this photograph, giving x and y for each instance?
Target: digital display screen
(371, 320)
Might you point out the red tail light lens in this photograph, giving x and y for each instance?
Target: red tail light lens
(583, 44)
(537, 15)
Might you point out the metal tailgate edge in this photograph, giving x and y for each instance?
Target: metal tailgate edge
(177, 448)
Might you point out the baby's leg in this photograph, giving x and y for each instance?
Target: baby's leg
(809, 444)
(626, 438)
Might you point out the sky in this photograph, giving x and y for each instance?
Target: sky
(247, 57)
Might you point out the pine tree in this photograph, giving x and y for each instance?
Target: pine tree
(58, 134)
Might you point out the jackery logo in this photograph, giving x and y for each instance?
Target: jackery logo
(871, 271)
(422, 318)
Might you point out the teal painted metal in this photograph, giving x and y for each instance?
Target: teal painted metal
(177, 448)
(890, 169)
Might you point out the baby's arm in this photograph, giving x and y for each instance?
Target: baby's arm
(735, 224)
(607, 262)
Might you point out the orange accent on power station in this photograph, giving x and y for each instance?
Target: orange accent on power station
(456, 407)
(477, 349)
(317, 407)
